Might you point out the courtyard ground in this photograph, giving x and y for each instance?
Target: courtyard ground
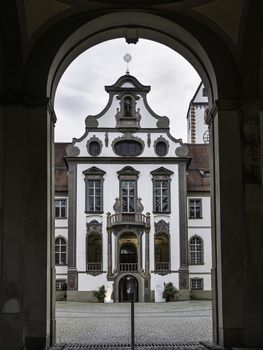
(155, 323)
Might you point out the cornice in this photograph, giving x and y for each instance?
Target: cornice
(244, 104)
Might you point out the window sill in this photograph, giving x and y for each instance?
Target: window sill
(192, 289)
(161, 212)
(61, 264)
(195, 218)
(64, 218)
(94, 212)
(194, 264)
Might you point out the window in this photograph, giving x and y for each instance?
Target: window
(161, 196)
(161, 146)
(94, 190)
(60, 251)
(94, 196)
(128, 148)
(161, 190)
(204, 92)
(61, 285)
(94, 148)
(195, 209)
(94, 252)
(196, 283)
(161, 252)
(128, 196)
(196, 251)
(60, 208)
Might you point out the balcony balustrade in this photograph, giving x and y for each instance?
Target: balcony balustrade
(162, 266)
(94, 266)
(137, 219)
(128, 267)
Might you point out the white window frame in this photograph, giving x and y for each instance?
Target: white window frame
(193, 209)
(59, 283)
(196, 284)
(196, 251)
(60, 207)
(60, 252)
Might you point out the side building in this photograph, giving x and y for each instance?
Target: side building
(132, 218)
(197, 129)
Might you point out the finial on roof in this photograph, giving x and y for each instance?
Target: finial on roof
(127, 58)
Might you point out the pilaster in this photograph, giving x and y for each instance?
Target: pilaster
(72, 214)
(236, 147)
(184, 269)
(26, 229)
(147, 252)
(109, 252)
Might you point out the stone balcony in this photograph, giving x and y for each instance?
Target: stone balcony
(136, 219)
(128, 267)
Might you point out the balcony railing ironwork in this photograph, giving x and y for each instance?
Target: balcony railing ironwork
(162, 266)
(128, 267)
(94, 266)
(128, 218)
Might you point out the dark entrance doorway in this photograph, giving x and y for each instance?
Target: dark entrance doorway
(128, 289)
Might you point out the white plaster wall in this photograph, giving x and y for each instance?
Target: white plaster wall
(199, 96)
(205, 221)
(202, 228)
(205, 234)
(200, 126)
(89, 282)
(61, 231)
(108, 151)
(160, 280)
(61, 269)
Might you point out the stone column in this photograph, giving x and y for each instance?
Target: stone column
(236, 143)
(109, 230)
(147, 252)
(184, 269)
(139, 251)
(72, 249)
(26, 194)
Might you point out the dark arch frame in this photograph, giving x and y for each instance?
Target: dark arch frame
(183, 39)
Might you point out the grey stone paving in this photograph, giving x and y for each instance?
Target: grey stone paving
(155, 323)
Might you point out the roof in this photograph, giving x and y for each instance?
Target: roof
(61, 176)
(198, 178)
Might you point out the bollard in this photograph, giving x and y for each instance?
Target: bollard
(132, 325)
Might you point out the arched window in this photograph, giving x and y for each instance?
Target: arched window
(162, 252)
(196, 251)
(94, 252)
(60, 251)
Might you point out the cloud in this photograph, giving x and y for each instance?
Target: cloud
(81, 90)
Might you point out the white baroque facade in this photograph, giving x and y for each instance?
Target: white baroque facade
(130, 222)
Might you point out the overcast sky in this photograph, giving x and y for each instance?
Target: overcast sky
(81, 90)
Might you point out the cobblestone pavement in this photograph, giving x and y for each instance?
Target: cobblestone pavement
(155, 323)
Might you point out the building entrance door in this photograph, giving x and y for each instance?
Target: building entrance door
(128, 289)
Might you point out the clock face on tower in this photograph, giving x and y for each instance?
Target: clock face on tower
(206, 136)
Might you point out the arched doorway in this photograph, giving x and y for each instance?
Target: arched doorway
(128, 289)
(128, 252)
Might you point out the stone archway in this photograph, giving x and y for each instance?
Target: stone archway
(128, 289)
(236, 151)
